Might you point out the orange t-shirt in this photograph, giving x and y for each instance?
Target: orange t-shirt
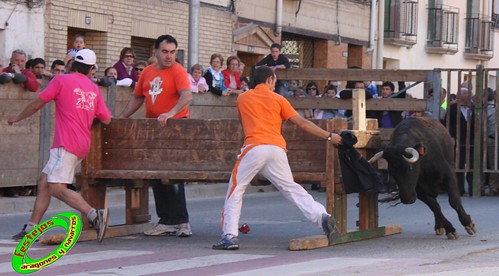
(162, 89)
(262, 111)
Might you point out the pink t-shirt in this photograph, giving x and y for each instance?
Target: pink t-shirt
(78, 101)
(195, 84)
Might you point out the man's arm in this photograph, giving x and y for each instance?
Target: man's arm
(313, 129)
(182, 103)
(31, 83)
(133, 105)
(30, 109)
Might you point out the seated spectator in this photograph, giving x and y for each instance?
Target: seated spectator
(347, 94)
(312, 89)
(17, 65)
(232, 76)
(244, 84)
(125, 66)
(292, 86)
(38, 68)
(78, 44)
(214, 77)
(140, 66)
(57, 67)
(327, 113)
(198, 82)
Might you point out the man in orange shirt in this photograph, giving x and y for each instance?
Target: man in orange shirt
(261, 112)
(166, 89)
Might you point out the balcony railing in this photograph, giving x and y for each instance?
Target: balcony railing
(401, 22)
(443, 30)
(479, 38)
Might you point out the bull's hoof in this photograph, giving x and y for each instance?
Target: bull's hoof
(440, 231)
(471, 228)
(452, 236)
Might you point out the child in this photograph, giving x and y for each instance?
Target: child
(244, 84)
(78, 44)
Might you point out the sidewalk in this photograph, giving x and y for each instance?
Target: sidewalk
(116, 196)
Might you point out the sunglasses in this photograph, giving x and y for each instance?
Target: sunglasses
(312, 88)
(129, 56)
(139, 69)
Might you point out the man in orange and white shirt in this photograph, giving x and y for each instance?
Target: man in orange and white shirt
(261, 112)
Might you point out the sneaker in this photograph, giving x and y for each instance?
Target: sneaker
(19, 236)
(329, 227)
(162, 230)
(227, 243)
(184, 230)
(100, 223)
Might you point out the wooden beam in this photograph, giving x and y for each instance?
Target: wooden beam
(352, 74)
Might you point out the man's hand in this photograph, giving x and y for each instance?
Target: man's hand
(12, 119)
(16, 68)
(201, 88)
(163, 118)
(336, 139)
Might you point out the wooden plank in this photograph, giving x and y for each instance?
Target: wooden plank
(359, 109)
(137, 202)
(352, 74)
(319, 241)
(115, 231)
(385, 104)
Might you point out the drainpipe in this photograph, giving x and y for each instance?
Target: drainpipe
(372, 30)
(381, 34)
(278, 19)
(194, 8)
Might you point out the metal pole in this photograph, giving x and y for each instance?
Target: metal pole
(477, 164)
(194, 10)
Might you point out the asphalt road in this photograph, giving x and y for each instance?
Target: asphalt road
(273, 222)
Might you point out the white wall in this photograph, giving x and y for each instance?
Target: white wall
(25, 30)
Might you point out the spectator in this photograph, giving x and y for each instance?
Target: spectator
(198, 82)
(465, 110)
(69, 66)
(261, 112)
(244, 83)
(57, 67)
(140, 66)
(78, 44)
(491, 179)
(327, 113)
(388, 119)
(38, 68)
(232, 76)
(78, 102)
(241, 68)
(214, 77)
(276, 61)
(17, 65)
(125, 67)
(167, 92)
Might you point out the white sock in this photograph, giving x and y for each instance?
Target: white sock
(29, 226)
(92, 214)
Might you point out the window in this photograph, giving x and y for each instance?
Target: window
(401, 22)
(479, 36)
(443, 29)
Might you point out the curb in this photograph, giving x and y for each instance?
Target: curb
(116, 197)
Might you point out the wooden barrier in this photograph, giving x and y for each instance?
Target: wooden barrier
(186, 150)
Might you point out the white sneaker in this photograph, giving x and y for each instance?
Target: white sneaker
(162, 230)
(184, 230)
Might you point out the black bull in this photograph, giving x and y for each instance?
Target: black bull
(421, 160)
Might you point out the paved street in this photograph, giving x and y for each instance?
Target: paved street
(273, 222)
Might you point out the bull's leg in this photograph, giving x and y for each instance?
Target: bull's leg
(456, 204)
(432, 202)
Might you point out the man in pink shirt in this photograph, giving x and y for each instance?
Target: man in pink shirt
(78, 101)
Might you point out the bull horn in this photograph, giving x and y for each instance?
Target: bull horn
(376, 157)
(415, 155)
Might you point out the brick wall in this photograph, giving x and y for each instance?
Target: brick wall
(118, 18)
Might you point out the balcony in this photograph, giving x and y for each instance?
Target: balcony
(443, 30)
(479, 43)
(401, 22)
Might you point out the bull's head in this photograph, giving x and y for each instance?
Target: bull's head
(403, 165)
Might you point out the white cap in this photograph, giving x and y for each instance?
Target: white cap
(86, 56)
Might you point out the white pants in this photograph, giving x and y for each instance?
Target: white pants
(272, 162)
(61, 166)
